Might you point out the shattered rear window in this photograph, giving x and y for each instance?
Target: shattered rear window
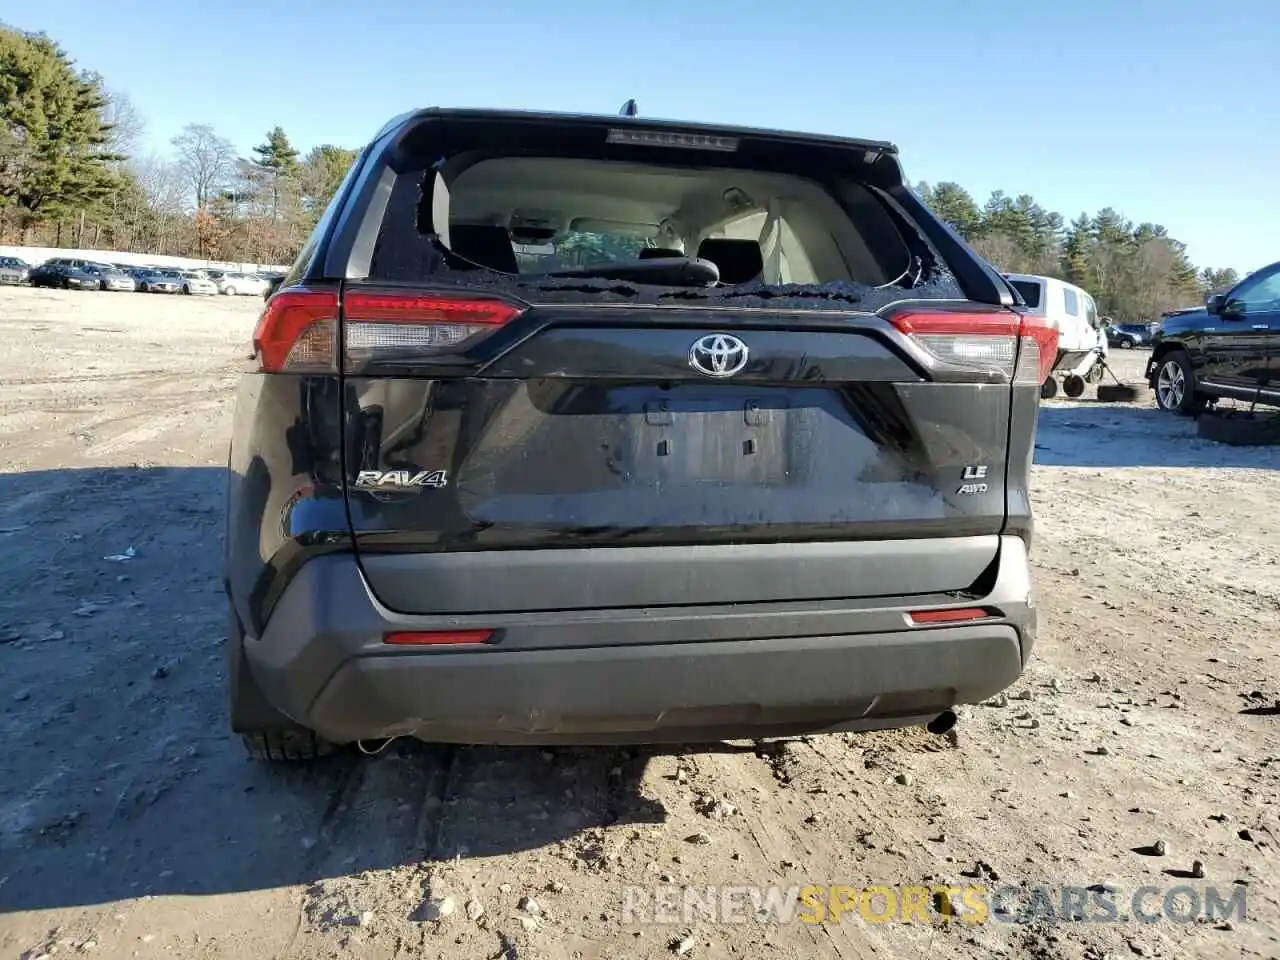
(789, 237)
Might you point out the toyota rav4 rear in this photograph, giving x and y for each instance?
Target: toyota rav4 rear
(575, 429)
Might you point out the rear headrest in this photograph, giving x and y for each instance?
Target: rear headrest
(738, 260)
(486, 245)
(654, 253)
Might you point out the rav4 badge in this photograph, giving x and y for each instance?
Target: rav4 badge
(400, 479)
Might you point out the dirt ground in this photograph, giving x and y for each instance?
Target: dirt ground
(133, 825)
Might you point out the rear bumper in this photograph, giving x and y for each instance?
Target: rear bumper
(634, 675)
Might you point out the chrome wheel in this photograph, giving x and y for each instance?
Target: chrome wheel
(1171, 385)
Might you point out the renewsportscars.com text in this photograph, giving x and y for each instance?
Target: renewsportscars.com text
(930, 904)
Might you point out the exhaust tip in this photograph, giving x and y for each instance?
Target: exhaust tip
(942, 723)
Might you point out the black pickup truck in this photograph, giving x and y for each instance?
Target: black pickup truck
(1230, 348)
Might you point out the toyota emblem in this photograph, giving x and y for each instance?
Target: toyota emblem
(718, 355)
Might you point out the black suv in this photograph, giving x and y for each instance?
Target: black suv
(573, 429)
(1230, 348)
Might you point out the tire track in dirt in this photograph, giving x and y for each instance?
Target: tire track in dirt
(791, 858)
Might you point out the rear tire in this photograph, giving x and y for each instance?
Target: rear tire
(1127, 344)
(1049, 389)
(1176, 385)
(229, 291)
(1073, 386)
(286, 746)
(266, 732)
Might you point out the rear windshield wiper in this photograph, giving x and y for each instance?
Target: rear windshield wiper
(669, 271)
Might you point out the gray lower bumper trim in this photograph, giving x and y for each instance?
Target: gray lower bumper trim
(630, 674)
(743, 685)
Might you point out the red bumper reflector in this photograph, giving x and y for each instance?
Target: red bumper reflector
(948, 616)
(427, 638)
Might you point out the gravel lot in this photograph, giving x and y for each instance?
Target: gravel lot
(132, 825)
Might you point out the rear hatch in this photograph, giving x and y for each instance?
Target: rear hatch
(727, 355)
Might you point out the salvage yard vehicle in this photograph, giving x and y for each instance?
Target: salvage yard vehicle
(272, 281)
(1225, 350)
(240, 284)
(1128, 336)
(111, 277)
(14, 271)
(1082, 342)
(195, 283)
(65, 273)
(741, 449)
(153, 280)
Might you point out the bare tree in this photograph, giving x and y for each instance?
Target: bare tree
(998, 249)
(127, 125)
(205, 160)
(1146, 290)
(161, 182)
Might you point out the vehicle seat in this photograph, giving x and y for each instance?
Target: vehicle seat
(655, 253)
(488, 246)
(739, 261)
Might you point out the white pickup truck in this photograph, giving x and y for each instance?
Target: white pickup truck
(1082, 340)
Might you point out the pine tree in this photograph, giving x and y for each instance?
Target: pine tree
(1075, 252)
(54, 156)
(952, 203)
(276, 162)
(1217, 281)
(322, 174)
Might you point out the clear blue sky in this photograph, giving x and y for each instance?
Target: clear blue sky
(1168, 111)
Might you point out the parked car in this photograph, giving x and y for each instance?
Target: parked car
(645, 497)
(196, 283)
(1227, 349)
(273, 281)
(65, 273)
(111, 277)
(1129, 335)
(153, 280)
(240, 284)
(14, 271)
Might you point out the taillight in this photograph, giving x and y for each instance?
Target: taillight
(397, 329)
(298, 332)
(998, 341)
(977, 341)
(1039, 349)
